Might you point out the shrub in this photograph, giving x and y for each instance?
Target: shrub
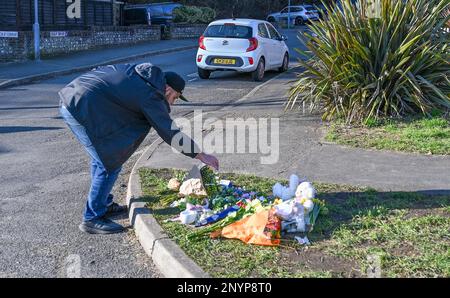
(208, 15)
(193, 15)
(363, 65)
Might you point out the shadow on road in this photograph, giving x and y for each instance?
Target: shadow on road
(234, 76)
(255, 103)
(28, 108)
(4, 150)
(14, 129)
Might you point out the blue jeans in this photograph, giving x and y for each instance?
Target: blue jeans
(102, 181)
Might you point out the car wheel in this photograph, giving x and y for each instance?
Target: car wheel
(258, 74)
(285, 66)
(203, 73)
(299, 21)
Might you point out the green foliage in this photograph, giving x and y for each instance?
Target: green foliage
(193, 15)
(208, 14)
(364, 66)
(209, 181)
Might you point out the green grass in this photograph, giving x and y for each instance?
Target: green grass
(419, 135)
(408, 231)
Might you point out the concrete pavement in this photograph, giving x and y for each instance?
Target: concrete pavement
(45, 178)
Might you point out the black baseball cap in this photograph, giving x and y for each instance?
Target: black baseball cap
(177, 83)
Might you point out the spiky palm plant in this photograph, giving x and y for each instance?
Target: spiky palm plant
(363, 64)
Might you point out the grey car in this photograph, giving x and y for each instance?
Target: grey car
(299, 14)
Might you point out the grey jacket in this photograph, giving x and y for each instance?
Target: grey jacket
(118, 107)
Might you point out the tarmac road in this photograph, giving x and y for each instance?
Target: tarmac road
(44, 176)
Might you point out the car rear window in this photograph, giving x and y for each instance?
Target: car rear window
(168, 9)
(229, 31)
(156, 10)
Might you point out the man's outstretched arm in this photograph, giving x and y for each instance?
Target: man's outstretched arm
(158, 116)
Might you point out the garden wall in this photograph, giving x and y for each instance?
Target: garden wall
(20, 47)
(186, 31)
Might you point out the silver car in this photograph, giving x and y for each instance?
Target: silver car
(299, 14)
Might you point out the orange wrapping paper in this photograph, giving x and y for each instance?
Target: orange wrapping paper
(261, 228)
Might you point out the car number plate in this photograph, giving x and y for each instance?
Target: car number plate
(224, 61)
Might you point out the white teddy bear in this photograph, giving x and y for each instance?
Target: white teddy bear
(305, 190)
(286, 192)
(294, 213)
(304, 194)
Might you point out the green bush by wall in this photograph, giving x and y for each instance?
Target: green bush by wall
(194, 15)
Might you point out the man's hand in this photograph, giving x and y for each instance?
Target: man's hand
(209, 160)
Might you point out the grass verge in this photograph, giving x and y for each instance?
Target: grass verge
(417, 135)
(407, 232)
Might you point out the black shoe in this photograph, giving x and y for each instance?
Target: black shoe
(100, 226)
(115, 208)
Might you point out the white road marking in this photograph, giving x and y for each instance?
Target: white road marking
(192, 75)
(137, 153)
(227, 89)
(194, 79)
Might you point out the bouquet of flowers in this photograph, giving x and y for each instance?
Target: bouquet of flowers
(243, 210)
(209, 181)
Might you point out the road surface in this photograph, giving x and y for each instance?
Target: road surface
(44, 176)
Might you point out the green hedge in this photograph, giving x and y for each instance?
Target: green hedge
(193, 15)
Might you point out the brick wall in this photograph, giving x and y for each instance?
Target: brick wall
(13, 49)
(21, 48)
(185, 31)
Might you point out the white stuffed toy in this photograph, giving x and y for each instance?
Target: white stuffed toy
(296, 221)
(293, 212)
(305, 191)
(294, 181)
(286, 193)
(304, 194)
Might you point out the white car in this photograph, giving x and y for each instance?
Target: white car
(299, 14)
(243, 45)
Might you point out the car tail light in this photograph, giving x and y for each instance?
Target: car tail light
(201, 44)
(253, 44)
(250, 60)
(199, 58)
